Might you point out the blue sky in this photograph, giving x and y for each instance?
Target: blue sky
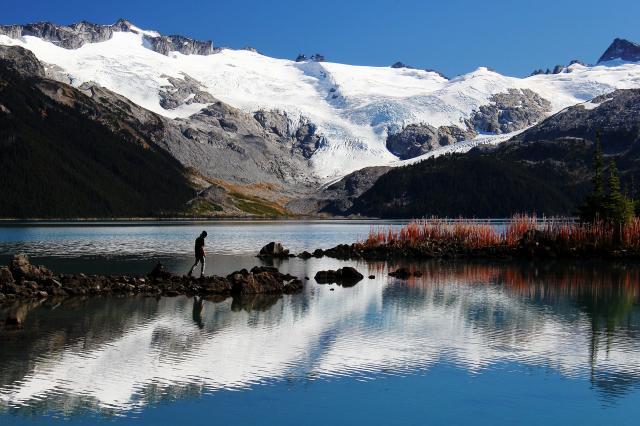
(452, 36)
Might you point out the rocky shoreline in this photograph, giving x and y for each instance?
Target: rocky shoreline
(533, 245)
(22, 281)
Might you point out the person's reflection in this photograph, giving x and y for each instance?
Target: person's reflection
(198, 308)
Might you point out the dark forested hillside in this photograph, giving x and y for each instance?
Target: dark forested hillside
(56, 162)
(471, 186)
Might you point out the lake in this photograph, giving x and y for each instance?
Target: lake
(468, 342)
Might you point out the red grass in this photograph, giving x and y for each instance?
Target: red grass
(474, 234)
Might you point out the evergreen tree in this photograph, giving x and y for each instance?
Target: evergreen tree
(619, 209)
(594, 206)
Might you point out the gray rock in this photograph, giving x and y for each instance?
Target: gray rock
(273, 249)
(511, 111)
(417, 139)
(69, 37)
(218, 142)
(301, 135)
(183, 91)
(177, 43)
(275, 122)
(347, 276)
(401, 65)
(22, 269)
(6, 277)
(21, 60)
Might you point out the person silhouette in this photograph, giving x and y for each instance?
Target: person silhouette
(200, 254)
(198, 307)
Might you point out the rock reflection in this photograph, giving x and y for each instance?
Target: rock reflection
(116, 355)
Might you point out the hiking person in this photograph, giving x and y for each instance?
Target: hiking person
(200, 256)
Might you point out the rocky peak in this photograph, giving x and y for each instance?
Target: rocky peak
(621, 49)
(318, 57)
(78, 34)
(401, 65)
(122, 25)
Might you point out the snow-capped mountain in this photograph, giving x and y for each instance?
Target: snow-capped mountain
(352, 109)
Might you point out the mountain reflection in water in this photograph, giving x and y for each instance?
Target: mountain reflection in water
(118, 355)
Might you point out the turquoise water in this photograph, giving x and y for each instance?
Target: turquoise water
(468, 342)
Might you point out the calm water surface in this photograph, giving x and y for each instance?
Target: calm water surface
(469, 342)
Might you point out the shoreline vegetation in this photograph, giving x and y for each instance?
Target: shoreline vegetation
(521, 237)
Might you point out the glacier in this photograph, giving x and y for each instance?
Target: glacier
(354, 108)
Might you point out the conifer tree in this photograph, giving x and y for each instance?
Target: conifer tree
(594, 206)
(619, 209)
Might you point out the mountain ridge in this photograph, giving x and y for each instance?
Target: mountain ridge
(239, 119)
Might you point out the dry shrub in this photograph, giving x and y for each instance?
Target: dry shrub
(479, 234)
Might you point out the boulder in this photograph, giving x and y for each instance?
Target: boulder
(160, 272)
(215, 285)
(5, 276)
(258, 281)
(401, 273)
(347, 276)
(326, 277)
(305, 255)
(22, 269)
(273, 249)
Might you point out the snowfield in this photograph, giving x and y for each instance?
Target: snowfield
(353, 107)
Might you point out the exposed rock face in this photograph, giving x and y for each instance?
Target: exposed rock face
(306, 141)
(76, 35)
(621, 49)
(232, 145)
(177, 43)
(21, 60)
(301, 135)
(183, 91)
(220, 141)
(69, 37)
(275, 122)
(417, 139)
(511, 111)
